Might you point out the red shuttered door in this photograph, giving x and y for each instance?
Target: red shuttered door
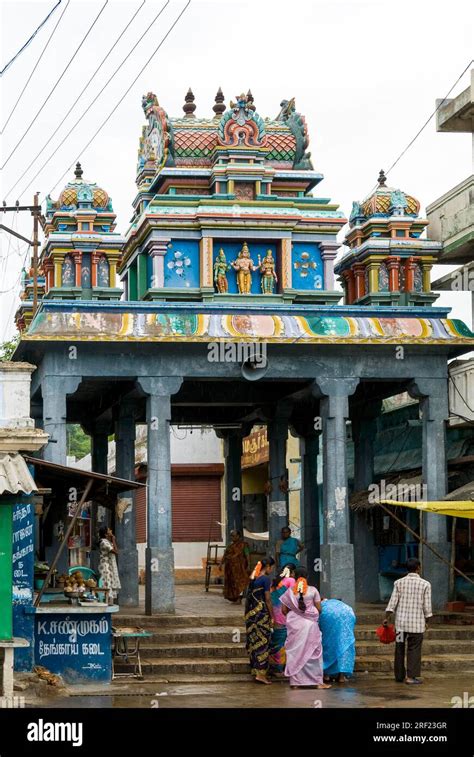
(196, 504)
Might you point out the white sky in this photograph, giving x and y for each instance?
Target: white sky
(365, 74)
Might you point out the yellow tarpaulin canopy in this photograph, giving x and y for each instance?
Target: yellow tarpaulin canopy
(455, 509)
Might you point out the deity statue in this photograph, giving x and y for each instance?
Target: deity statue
(267, 269)
(221, 267)
(398, 203)
(244, 266)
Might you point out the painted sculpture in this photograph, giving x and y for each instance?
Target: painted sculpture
(267, 269)
(221, 266)
(244, 266)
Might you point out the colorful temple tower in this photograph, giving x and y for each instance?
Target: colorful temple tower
(80, 255)
(387, 263)
(224, 209)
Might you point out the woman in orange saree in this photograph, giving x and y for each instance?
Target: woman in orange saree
(236, 567)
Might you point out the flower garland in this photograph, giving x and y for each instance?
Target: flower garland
(256, 571)
(284, 574)
(301, 586)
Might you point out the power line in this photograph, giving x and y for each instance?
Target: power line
(75, 103)
(51, 92)
(35, 67)
(4, 69)
(123, 96)
(411, 142)
(84, 113)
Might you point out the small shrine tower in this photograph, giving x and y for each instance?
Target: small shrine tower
(387, 263)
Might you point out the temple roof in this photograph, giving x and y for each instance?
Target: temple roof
(384, 202)
(80, 193)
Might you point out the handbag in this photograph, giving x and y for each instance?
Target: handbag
(386, 634)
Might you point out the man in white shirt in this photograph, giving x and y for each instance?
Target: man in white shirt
(411, 603)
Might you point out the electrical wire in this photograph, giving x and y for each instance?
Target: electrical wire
(5, 68)
(90, 104)
(412, 141)
(57, 82)
(97, 132)
(34, 68)
(76, 101)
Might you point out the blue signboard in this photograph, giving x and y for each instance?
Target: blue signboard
(23, 572)
(77, 647)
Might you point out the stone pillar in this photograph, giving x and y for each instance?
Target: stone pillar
(157, 251)
(393, 265)
(277, 432)
(373, 268)
(125, 527)
(233, 483)
(426, 267)
(328, 253)
(311, 536)
(366, 557)
(206, 263)
(349, 283)
(54, 390)
(337, 553)
(99, 454)
(359, 280)
(286, 267)
(433, 396)
(159, 586)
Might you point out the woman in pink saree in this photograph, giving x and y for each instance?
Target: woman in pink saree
(304, 652)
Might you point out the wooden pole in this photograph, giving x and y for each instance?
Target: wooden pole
(64, 541)
(422, 541)
(35, 253)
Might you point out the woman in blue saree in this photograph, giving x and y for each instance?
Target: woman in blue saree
(337, 621)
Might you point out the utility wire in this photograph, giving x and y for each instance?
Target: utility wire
(35, 67)
(66, 136)
(74, 104)
(412, 141)
(123, 96)
(5, 68)
(51, 92)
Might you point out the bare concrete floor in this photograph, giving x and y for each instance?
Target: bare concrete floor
(364, 691)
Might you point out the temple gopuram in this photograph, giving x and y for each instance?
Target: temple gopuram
(230, 243)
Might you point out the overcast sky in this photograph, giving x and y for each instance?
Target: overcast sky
(365, 74)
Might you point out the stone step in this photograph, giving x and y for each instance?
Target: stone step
(191, 666)
(382, 663)
(430, 647)
(209, 650)
(227, 634)
(451, 663)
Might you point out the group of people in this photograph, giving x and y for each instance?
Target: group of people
(291, 632)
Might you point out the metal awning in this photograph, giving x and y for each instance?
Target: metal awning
(15, 476)
(103, 487)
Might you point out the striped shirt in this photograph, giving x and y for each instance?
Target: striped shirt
(411, 603)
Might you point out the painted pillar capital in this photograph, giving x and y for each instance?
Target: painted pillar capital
(157, 249)
(328, 253)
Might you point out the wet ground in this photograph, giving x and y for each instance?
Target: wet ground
(364, 691)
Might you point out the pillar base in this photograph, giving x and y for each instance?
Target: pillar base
(337, 580)
(437, 573)
(128, 594)
(159, 581)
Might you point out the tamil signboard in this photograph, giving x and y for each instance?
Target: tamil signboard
(255, 449)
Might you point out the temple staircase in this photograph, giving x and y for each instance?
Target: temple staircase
(190, 648)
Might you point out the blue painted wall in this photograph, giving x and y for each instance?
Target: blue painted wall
(78, 647)
(232, 250)
(182, 256)
(307, 266)
(23, 573)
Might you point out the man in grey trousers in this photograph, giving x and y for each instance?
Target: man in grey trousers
(411, 603)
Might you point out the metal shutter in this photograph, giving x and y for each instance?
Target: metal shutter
(140, 514)
(196, 504)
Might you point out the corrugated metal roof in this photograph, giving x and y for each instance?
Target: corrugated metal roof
(15, 476)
